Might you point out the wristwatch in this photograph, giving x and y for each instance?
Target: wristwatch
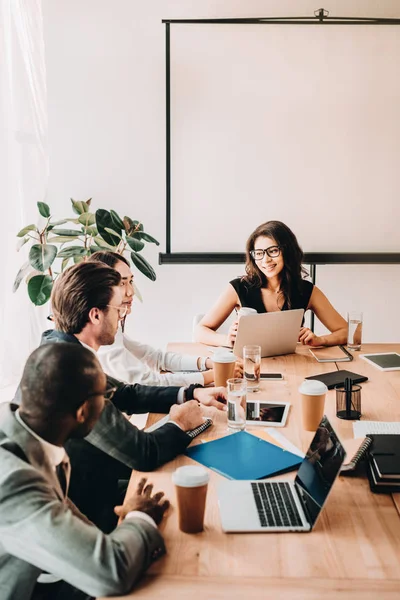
(188, 392)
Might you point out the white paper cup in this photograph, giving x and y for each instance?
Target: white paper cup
(313, 393)
(191, 490)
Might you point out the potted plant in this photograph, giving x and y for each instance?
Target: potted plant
(89, 232)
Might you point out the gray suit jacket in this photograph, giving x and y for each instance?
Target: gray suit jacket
(40, 532)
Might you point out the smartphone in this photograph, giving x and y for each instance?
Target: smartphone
(271, 376)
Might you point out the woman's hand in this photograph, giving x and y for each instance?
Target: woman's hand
(238, 368)
(231, 338)
(308, 338)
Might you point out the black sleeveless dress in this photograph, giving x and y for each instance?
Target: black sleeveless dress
(250, 296)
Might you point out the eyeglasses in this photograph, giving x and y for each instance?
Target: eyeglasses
(272, 251)
(108, 393)
(122, 310)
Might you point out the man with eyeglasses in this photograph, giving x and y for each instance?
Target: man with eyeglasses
(87, 306)
(48, 549)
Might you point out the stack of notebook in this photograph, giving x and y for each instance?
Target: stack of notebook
(383, 466)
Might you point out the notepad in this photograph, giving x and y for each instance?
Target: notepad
(331, 354)
(244, 456)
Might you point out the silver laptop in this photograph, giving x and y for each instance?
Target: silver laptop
(273, 506)
(276, 332)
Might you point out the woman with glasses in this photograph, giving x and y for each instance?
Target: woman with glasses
(134, 362)
(274, 281)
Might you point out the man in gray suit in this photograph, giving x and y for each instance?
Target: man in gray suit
(63, 392)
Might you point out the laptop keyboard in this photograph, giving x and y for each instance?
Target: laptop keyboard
(275, 504)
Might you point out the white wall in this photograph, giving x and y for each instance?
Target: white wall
(106, 100)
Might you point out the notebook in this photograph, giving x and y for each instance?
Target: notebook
(331, 354)
(275, 506)
(192, 433)
(335, 378)
(361, 453)
(244, 456)
(363, 428)
(384, 463)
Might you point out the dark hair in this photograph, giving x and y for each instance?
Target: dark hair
(292, 273)
(57, 380)
(80, 288)
(108, 258)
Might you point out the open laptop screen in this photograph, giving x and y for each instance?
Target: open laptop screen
(320, 468)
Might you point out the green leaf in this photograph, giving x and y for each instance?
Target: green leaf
(128, 224)
(44, 209)
(148, 238)
(137, 225)
(72, 251)
(62, 239)
(41, 256)
(93, 248)
(39, 289)
(24, 270)
(103, 244)
(135, 244)
(61, 222)
(64, 263)
(91, 231)
(87, 219)
(104, 221)
(78, 259)
(25, 230)
(112, 232)
(66, 232)
(21, 242)
(143, 266)
(117, 221)
(79, 206)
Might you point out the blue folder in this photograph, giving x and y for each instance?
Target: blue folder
(244, 456)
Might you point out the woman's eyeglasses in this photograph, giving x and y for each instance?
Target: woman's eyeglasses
(122, 310)
(272, 252)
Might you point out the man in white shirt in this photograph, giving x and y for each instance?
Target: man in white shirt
(63, 391)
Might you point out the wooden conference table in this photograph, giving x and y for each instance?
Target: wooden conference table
(353, 551)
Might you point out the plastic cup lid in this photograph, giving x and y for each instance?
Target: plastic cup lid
(223, 355)
(313, 387)
(190, 476)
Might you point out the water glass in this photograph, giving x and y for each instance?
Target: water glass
(354, 331)
(252, 367)
(237, 391)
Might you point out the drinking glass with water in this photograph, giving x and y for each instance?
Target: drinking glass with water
(354, 331)
(252, 367)
(237, 393)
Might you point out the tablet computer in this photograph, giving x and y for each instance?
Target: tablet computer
(385, 361)
(271, 414)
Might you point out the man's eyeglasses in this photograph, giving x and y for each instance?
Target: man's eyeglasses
(108, 393)
(272, 252)
(122, 310)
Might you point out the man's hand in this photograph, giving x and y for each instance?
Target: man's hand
(188, 415)
(308, 338)
(211, 397)
(154, 506)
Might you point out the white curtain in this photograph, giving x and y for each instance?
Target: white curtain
(24, 168)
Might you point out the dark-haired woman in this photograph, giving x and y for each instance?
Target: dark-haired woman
(274, 281)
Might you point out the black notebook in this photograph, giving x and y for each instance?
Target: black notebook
(335, 378)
